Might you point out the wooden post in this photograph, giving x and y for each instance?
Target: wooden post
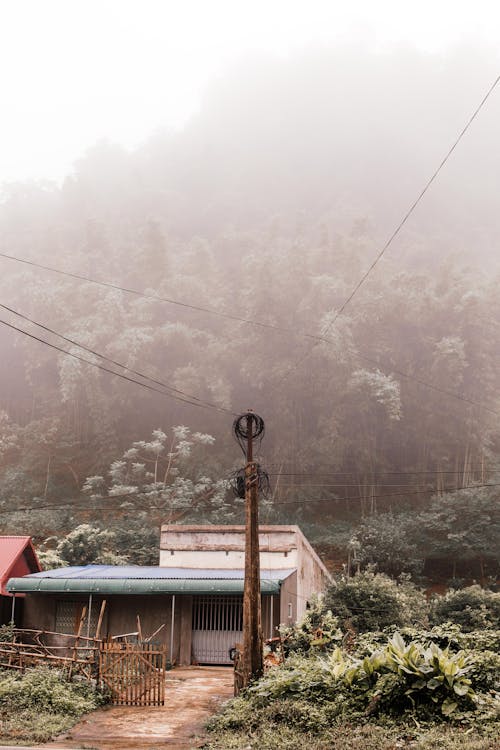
(77, 640)
(99, 621)
(252, 666)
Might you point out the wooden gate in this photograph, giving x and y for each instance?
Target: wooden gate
(134, 673)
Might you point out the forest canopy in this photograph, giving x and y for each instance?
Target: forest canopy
(269, 206)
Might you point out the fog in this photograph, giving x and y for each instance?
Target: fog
(268, 203)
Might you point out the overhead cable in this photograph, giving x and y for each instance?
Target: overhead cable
(107, 359)
(113, 372)
(399, 227)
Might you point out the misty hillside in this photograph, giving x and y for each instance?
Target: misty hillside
(269, 205)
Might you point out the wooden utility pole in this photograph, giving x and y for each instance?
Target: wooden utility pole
(250, 662)
(252, 619)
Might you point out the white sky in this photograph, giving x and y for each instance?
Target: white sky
(75, 71)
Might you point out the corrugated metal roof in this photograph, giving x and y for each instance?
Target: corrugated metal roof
(108, 586)
(131, 579)
(11, 547)
(154, 572)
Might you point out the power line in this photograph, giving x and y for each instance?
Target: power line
(114, 498)
(112, 372)
(250, 321)
(433, 472)
(105, 358)
(389, 494)
(144, 295)
(395, 233)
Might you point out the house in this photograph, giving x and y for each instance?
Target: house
(193, 600)
(17, 558)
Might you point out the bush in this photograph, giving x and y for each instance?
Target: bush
(473, 608)
(372, 601)
(394, 683)
(398, 678)
(385, 541)
(46, 690)
(40, 703)
(317, 630)
(6, 633)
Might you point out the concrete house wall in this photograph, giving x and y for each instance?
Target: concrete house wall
(281, 548)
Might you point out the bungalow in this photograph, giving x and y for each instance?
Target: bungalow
(193, 600)
(17, 558)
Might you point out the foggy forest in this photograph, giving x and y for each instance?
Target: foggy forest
(210, 266)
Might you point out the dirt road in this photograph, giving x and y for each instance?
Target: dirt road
(192, 695)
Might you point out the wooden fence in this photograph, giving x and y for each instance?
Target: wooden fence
(29, 648)
(134, 673)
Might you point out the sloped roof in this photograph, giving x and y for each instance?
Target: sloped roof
(11, 549)
(136, 579)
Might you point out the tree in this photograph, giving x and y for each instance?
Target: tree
(88, 544)
(385, 542)
(160, 477)
(372, 601)
(463, 526)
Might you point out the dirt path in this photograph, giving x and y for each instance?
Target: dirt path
(192, 695)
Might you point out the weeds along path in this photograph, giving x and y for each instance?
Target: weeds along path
(192, 695)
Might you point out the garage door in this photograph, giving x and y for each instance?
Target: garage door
(217, 627)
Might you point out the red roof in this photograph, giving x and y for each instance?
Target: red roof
(17, 557)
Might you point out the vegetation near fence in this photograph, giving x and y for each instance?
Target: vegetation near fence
(42, 702)
(407, 683)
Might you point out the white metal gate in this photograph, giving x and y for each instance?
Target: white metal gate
(217, 627)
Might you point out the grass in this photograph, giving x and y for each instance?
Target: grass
(40, 704)
(368, 737)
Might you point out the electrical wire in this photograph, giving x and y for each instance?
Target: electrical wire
(114, 498)
(105, 358)
(116, 374)
(433, 472)
(395, 233)
(144, 295)
(389, 494)
(282, 329)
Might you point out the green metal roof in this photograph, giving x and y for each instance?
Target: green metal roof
(32, 584)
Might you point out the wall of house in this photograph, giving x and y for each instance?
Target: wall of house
(121, 617)
(6, 609)
(154, 611)
(312, 576)
(288, 600)
(39, 612)
(21, 567)
(223, 547)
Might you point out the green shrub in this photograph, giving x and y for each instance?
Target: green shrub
(6, 633)
(372, 601)
(473, 608)
(318, 630)
(41, 703)
(46, 690)
(446, 635)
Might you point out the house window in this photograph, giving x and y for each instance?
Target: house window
(69, 614)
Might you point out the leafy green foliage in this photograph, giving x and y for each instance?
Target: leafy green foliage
(41, 703)
(394, 683)
(472, 608)
(6, 633)
(386, 541)
(399, 677)
(318, 630)
(371, 601)
(463, 525)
